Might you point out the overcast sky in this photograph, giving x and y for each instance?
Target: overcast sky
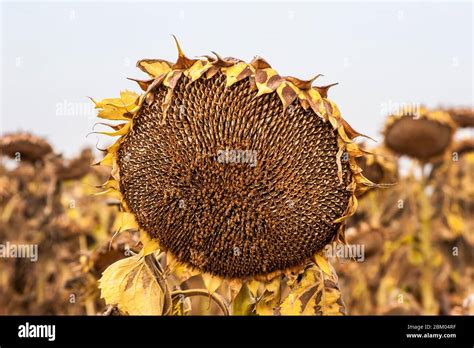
(383, 54)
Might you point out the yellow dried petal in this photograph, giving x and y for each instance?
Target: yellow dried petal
(233, 72)
(107, 160)
(155, 68)
(197, 70)
(126, 221)
(149, 245)
(122, 130)
(127, 98)
(323, 263)
(262, 79)
(351, 209)
(110, 112)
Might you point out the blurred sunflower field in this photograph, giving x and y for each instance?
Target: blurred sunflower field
(416, 235)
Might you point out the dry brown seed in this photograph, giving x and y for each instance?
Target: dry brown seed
(233, 204)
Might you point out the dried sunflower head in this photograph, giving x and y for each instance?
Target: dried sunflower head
(424, 136)
(75, 168)
(464, 117)
(24, 146)
(235, 170)
(464, 146)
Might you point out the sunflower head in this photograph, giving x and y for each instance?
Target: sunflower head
(424, 136)
(24, 146)
(75, 168)
(463, 117)
(233, 169)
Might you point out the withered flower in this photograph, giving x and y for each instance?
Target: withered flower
(464, 117)
(423, 136)
(233, 169)
(24, 146)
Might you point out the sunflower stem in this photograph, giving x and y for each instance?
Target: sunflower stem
(157, 271)
(221, 303)
(427, 295)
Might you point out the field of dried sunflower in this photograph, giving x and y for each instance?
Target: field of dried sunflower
(233, 190)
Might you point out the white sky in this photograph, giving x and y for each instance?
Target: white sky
(55, 54)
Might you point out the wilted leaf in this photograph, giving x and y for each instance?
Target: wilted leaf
(270, 300)
(317, 293)
(243, 303)
(130, 285)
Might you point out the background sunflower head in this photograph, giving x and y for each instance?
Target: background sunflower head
(422, 135)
